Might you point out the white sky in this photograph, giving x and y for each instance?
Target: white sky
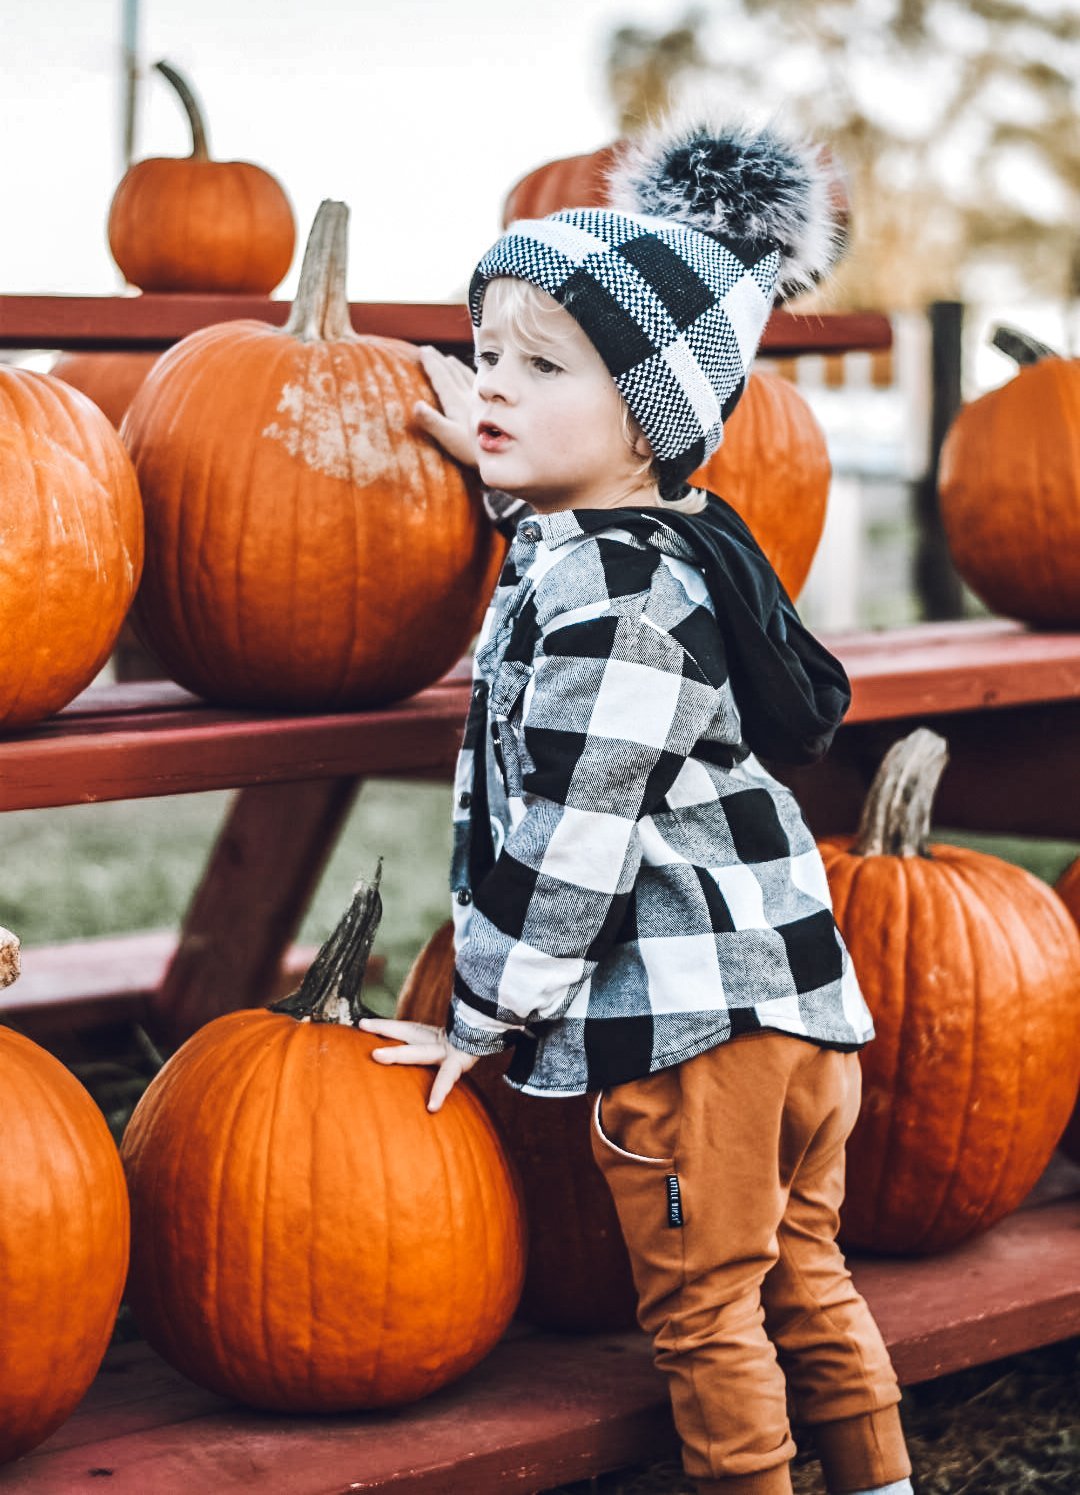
(419, 114)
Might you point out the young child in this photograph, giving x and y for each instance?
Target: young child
(640, 908)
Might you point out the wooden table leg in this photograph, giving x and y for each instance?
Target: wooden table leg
(257, 885)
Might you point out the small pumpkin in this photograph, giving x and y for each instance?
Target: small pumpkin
(578, 1277)
(63, 1237)
(306, 546)
(1009, 485)
(195, 224)
(306, 1236)
(71, 543)
(570, 182)
(109, 379)
(1068, 889)
(773, 468)
(971, 969)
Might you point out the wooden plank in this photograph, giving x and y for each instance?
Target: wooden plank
(84, 983)
(261, 875)
(1012, 772)
(155, 321)
(602, 1403)
(81, 760)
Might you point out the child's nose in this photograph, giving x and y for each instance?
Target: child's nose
(494, 383)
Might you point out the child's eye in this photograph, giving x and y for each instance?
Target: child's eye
(487, 359)
(545, 366)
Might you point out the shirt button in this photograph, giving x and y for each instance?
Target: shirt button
(464, 896)
(530, 532)
(464, 800)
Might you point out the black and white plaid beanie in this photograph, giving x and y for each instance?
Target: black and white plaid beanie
(673, 283)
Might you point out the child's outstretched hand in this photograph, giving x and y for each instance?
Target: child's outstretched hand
(421, 1044)
(452, 426)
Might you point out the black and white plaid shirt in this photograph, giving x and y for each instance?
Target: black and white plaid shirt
(631, 885)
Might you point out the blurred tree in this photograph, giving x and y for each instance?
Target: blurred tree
(956, 124)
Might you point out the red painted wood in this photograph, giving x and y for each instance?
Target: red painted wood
(155, 321)
(258, 882)
(542, 1409)
(82, 983)
(168, 742)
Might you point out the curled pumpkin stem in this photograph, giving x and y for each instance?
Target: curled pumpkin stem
(200, 148)
(896, 816)
(330, 992)
(1021, 347)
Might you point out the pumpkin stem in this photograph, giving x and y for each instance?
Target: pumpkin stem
(1021, 347)
(200, 150)
(896, 816)
(330, 992)
(320, 312)
(9, 957)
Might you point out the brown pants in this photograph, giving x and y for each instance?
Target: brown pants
(752, 1133)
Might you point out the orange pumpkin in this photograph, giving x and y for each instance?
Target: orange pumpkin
(1068, 889)
(577, 1277)
(1009, 483)
(109, 379)
(971, 968)
(71, 543)
(773, 467)
(571, 182)
(63, 1237)
(194, 224)
(306, 1236)
(306, 547)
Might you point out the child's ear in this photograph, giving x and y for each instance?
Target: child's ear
(641, 445)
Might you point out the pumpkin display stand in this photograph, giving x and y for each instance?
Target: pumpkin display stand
(1006, 698)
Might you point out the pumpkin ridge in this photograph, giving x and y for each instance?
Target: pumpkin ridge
(992, 1206)
(460, 1295)
(957, 889)
(27, 656)
(338, 353)
(283, 358)
(902, 920)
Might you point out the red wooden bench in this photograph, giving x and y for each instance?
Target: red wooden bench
(1007, 699)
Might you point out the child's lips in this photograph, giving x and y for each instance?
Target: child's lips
(492, 438)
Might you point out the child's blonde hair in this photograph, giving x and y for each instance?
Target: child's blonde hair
(532, 316)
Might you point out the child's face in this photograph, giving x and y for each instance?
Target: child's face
(548, 418)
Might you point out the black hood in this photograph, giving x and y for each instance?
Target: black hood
(791, 692)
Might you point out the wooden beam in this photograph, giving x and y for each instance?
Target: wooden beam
(108, 323)
(256, 887)
(144, 1427)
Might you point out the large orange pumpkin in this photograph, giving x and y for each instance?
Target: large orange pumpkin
(578, 1272)
(1068, 889)
(773, 468)
(305, 546)
(1010, 489)
(63, 1237)
(71, 543)
(971, 968)
(195, 224)
(306, 1236)
(109, 379)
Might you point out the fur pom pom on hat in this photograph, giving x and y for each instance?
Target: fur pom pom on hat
(734, 181)
(674, 282)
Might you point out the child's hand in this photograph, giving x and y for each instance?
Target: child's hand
(453, 427)
(421, 1044)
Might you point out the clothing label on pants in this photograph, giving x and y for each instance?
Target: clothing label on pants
(674, 1200)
